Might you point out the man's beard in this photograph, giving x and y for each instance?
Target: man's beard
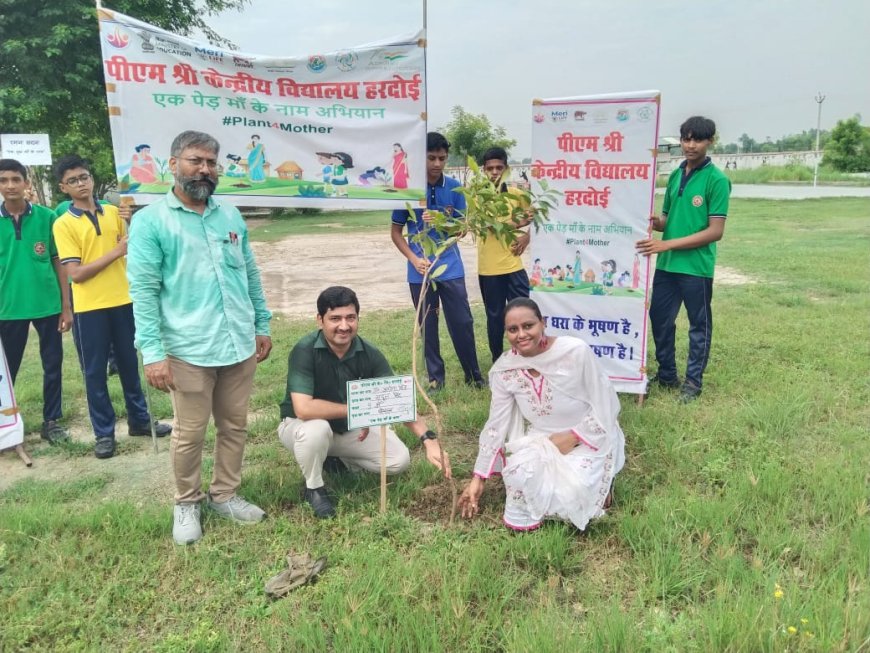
(199, 187)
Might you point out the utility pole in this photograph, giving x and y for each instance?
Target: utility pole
(819, 99)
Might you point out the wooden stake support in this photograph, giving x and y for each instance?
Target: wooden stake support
(383, 469)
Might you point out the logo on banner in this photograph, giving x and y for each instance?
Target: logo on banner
(599, 117)
(346, 61)
(580, 116)
(645, 114)
(559, 116)
(209, 54)
(539, 117)
(389, 59)
(317, 63)
(241, 62)
(39, 248)
(289, 68)
(622, 115)
(165, 46)
(118, 39)
(697, 201)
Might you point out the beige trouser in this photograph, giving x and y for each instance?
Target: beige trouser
(313, 440)
(200, 392)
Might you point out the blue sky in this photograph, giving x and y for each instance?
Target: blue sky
(753, 66)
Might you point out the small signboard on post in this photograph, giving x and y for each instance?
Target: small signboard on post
(386, 400)
(378, 402)
(27, 149)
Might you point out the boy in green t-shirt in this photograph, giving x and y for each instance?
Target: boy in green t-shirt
(692, 221)
(31, 291)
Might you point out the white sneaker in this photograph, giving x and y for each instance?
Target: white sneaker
(186, 526)
(238, 510)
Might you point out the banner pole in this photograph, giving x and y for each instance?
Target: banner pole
(383, 469)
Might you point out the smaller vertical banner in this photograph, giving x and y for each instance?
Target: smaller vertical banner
(11, 425)
(600, 152)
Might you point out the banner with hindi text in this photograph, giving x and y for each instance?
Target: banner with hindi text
(600, 152)
(330, 130)
(11, 424)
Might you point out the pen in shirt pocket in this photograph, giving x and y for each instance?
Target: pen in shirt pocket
(233, 238)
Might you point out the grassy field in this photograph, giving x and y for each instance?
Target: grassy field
(794, 173)
(741, 522)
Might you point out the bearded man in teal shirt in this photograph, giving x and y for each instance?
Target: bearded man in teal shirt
(202, 326)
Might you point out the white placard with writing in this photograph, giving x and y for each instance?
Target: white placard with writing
(11, 425)
(385, 400)
(27, 149)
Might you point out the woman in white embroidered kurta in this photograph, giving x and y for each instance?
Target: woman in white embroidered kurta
(552, 431)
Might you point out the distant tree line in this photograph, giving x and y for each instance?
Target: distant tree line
(846, 147)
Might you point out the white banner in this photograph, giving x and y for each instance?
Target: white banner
(337, 130)
(600, 151)
(27, 149)
(11, 424)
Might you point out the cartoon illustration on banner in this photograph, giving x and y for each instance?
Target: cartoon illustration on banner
(599, 151)
(343, 129)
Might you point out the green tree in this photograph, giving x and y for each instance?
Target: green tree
(471, 135)
(747, 144)
(51, 73)
(848, 149)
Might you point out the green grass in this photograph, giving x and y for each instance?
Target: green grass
(794, 173)
(736, 517)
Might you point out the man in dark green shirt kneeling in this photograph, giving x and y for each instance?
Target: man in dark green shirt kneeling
(314, 411)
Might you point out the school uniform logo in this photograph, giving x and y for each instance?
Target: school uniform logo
(39, 248)
(697, 201)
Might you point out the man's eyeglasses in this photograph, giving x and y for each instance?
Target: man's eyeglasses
(197, 162)
(77, 181)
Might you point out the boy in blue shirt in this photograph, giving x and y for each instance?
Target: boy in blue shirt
(449, 290)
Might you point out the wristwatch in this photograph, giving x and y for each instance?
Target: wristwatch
(428, 435)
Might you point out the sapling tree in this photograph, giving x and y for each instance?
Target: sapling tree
(490, 213)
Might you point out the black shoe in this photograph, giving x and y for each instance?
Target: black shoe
(689, 392)
(435, 386)
(53, 432)
(334, 465)
(669, 384)
(104, 448)
(477, 383)
(160, 428)
(319, 500)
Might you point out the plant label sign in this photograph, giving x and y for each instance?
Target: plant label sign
(385, 400)
(29, 149)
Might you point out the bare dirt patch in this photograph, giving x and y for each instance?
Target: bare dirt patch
(731, 277)
(296, 269)
(432, 504)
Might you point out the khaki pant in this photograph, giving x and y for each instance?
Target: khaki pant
(313, 440)
(200, 392)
